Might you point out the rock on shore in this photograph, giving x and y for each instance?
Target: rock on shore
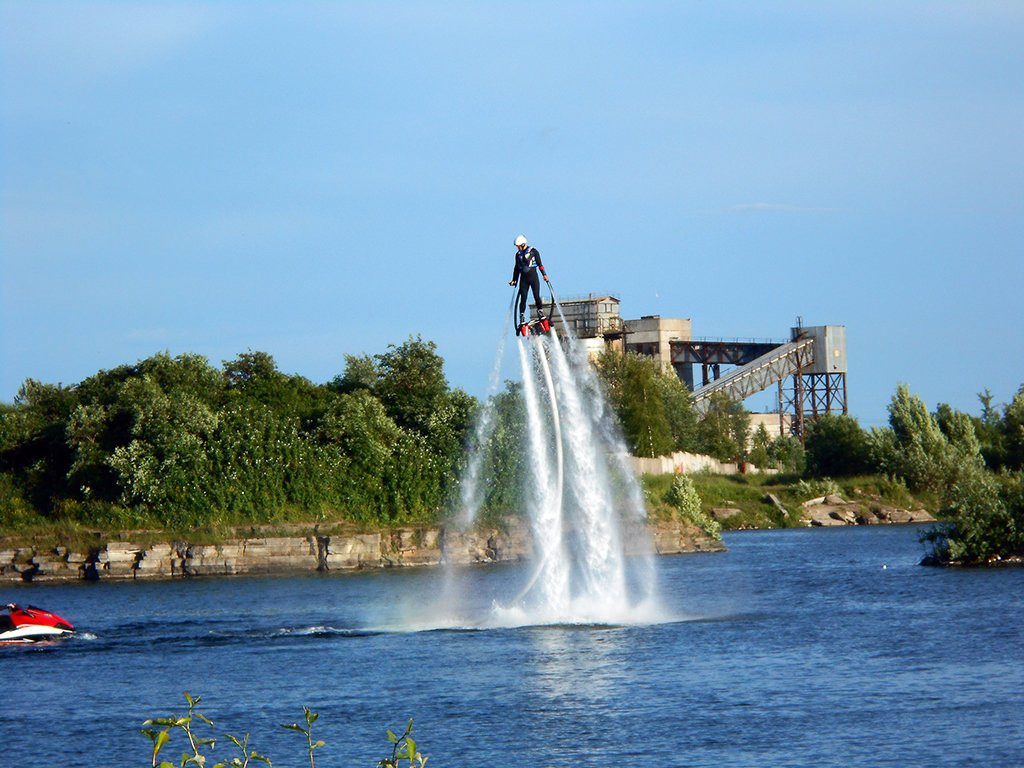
(833, 510)
(282, 554)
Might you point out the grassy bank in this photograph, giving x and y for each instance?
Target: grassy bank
(747, 493)
(750, 495)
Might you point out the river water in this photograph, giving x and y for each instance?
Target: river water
(795, 648)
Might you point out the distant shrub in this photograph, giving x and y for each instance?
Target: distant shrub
(682, 496)
(812, 489)
(836, 446)
(987, 519)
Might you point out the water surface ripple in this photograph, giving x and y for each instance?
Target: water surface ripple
(795, 648)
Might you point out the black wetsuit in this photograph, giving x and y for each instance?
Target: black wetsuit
(525, 271)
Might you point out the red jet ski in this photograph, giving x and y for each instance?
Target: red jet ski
(31, 625)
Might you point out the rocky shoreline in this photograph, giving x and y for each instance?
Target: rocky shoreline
(832, 510)
(278, 553)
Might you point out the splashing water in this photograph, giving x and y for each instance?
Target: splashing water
(593, 558)
(470, 496)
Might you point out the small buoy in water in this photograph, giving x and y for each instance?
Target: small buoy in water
(884, 566)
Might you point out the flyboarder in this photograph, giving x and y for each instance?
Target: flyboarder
(525, 271)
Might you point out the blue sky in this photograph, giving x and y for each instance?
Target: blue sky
(321, 179)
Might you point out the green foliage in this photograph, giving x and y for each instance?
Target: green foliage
(836, 446)
(505, 461)
(411, 383)
(197, 745)
(174, 442)
(760, 448)
(748, 493)
(360, 373)
(788, 454)
(989, 429)
(1012, 428)
(943, 453)
(987, 519)
(636, 399)
(784, 453)
(895, 489)
(402, 748)
(813, 489)
(653, 407)
(682, 496)
(162, 466)
(161, 731)
(679, 412)
(33, 449)
(254, 378)
(723, 428)
(917, 449)
(307, 731)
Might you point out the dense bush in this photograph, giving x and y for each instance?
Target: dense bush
(986, 511)
(723, 429)
(916, 448)
(173, 441)
(683, 498)
(653, 407)
(836, 446)
(943, 454)
(784, 453)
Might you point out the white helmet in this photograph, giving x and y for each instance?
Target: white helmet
(521, 241)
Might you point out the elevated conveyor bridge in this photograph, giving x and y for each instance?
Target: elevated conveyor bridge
(775, 364)
(809, 371)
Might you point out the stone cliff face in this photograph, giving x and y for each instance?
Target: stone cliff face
(409, 546)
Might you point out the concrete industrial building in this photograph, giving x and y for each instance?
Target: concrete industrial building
(809, 369)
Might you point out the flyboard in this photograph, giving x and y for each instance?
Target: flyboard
(543, 323)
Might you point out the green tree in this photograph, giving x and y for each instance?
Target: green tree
(359, 428)
(639, 395)
(163, 465)
(836, 446)
(361, 372)
(987, 513)
(1013, 431)
(33, 445)
(916, 449)
(505, 460)
(412, 385)
(723, 428)
(249, 369)
(988, 428)
(678, 404)
(682, 496)
(761, 448)
(788, 454)
(254, 377)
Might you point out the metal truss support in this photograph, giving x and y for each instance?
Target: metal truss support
(810, 395)
(781, 362)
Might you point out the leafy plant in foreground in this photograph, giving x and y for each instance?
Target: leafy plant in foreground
(311, 717)
(160, 738)
(402, 747)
